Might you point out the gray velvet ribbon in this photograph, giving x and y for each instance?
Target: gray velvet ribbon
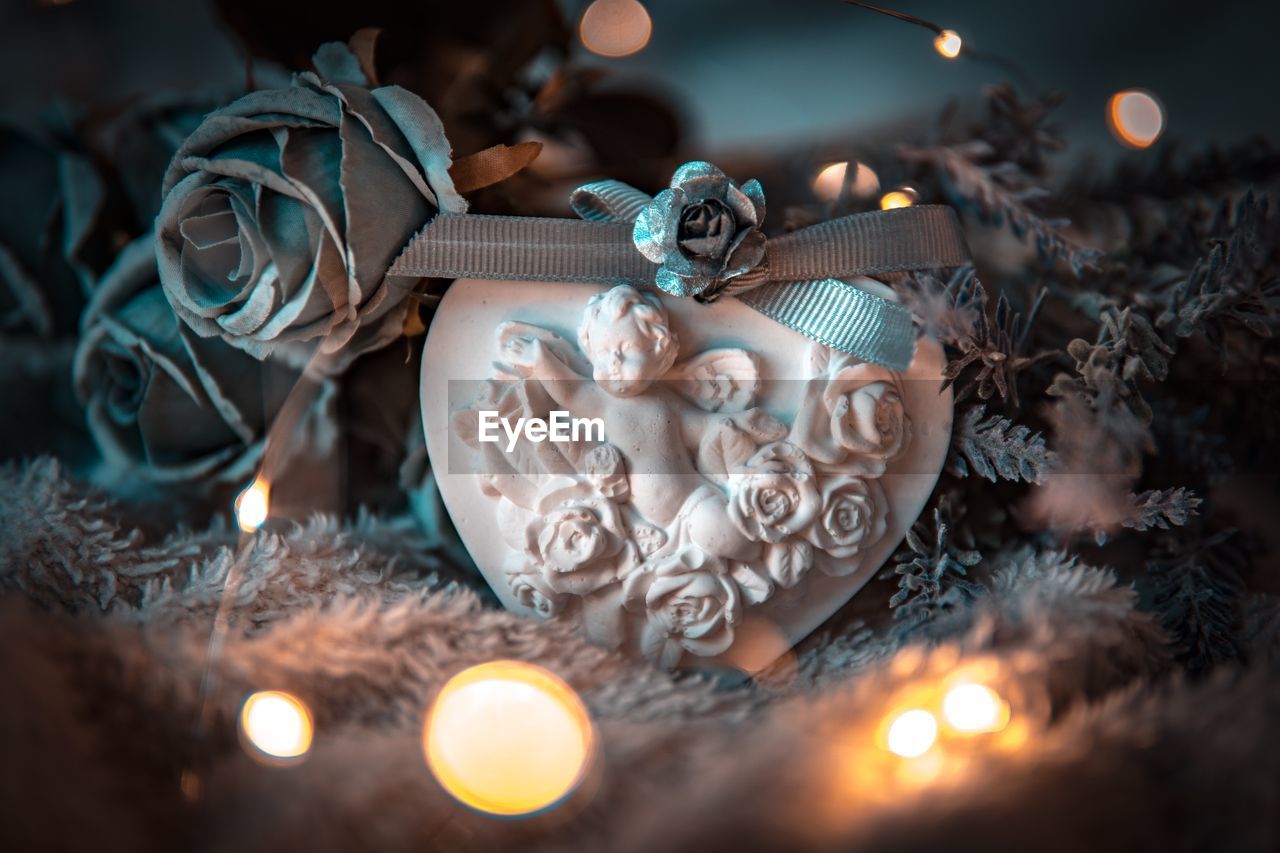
(795, 281)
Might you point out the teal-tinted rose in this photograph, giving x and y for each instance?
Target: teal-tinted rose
(284, 210)
(703, 231)
(52, 243)
(162, 403)
(140, 140)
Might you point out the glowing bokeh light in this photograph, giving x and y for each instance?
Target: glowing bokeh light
(277, 725)
(973, 708)
(912, 733)
(833, 179)
(1135, 118)
(508, 738)
(615, 28)
(901, 197)
(948, 43)
(830, 181)
(865, 181)
(253, 505)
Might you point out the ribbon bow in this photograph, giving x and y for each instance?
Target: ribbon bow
(702, 237)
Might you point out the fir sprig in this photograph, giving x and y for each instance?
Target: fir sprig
(1196, 586)
(1236, 282)
(996, 448)
(932, 573)
(1127, 351)
(996, 345)
(1001, 193)
(1161, 508)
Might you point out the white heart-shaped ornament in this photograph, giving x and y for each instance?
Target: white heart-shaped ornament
(695, 484)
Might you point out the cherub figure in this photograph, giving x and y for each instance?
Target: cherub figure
(656, 423)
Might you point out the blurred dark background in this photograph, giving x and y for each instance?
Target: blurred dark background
(745, 74)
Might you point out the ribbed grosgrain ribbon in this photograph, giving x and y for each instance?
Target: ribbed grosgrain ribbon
(799, 287)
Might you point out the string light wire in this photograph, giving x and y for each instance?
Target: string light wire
(941, 33)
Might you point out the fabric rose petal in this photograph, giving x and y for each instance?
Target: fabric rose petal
(54, 237)
(284, 210)
(163, 404)
(703, 231)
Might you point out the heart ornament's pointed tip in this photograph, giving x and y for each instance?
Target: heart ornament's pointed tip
(692, 484)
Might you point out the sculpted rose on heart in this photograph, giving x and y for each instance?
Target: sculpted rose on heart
(697, 505)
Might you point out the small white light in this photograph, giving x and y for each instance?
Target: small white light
(973, 708)
(615, 28)
(912, 733)
(948, 43)
(252, 506)
(277, 725)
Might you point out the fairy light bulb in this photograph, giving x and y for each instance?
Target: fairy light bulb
(912, 733)
(252, 506)
(901, 197)
(615, 28)
(948, 43)
(1135, 118)
(508, 738)
(276, 725)
(973, 708)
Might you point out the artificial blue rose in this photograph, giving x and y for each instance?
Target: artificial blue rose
(703, 231)
(283, 211)
(163, 404)
(140, 139)
(52, 238)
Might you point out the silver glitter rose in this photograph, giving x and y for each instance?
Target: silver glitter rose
(703, 231)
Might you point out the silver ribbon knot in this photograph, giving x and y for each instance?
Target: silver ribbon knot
(701, 237)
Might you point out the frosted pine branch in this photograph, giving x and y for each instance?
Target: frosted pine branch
(996, 448)
(1001, 193)
(1162, 508)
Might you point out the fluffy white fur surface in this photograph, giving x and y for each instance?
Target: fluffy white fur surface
(105, 640)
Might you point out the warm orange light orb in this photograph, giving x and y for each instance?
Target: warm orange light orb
(1135, 118)
(830, 181)
(277, 725)
(833, 178)
(902, 197)
(974, 708)
(252, 506)
(615, 28)
(508, 738)
(912, 733)
(948, 43)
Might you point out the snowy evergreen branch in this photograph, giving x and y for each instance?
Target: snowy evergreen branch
(996, 448)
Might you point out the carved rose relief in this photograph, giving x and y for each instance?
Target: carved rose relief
(697, 504)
